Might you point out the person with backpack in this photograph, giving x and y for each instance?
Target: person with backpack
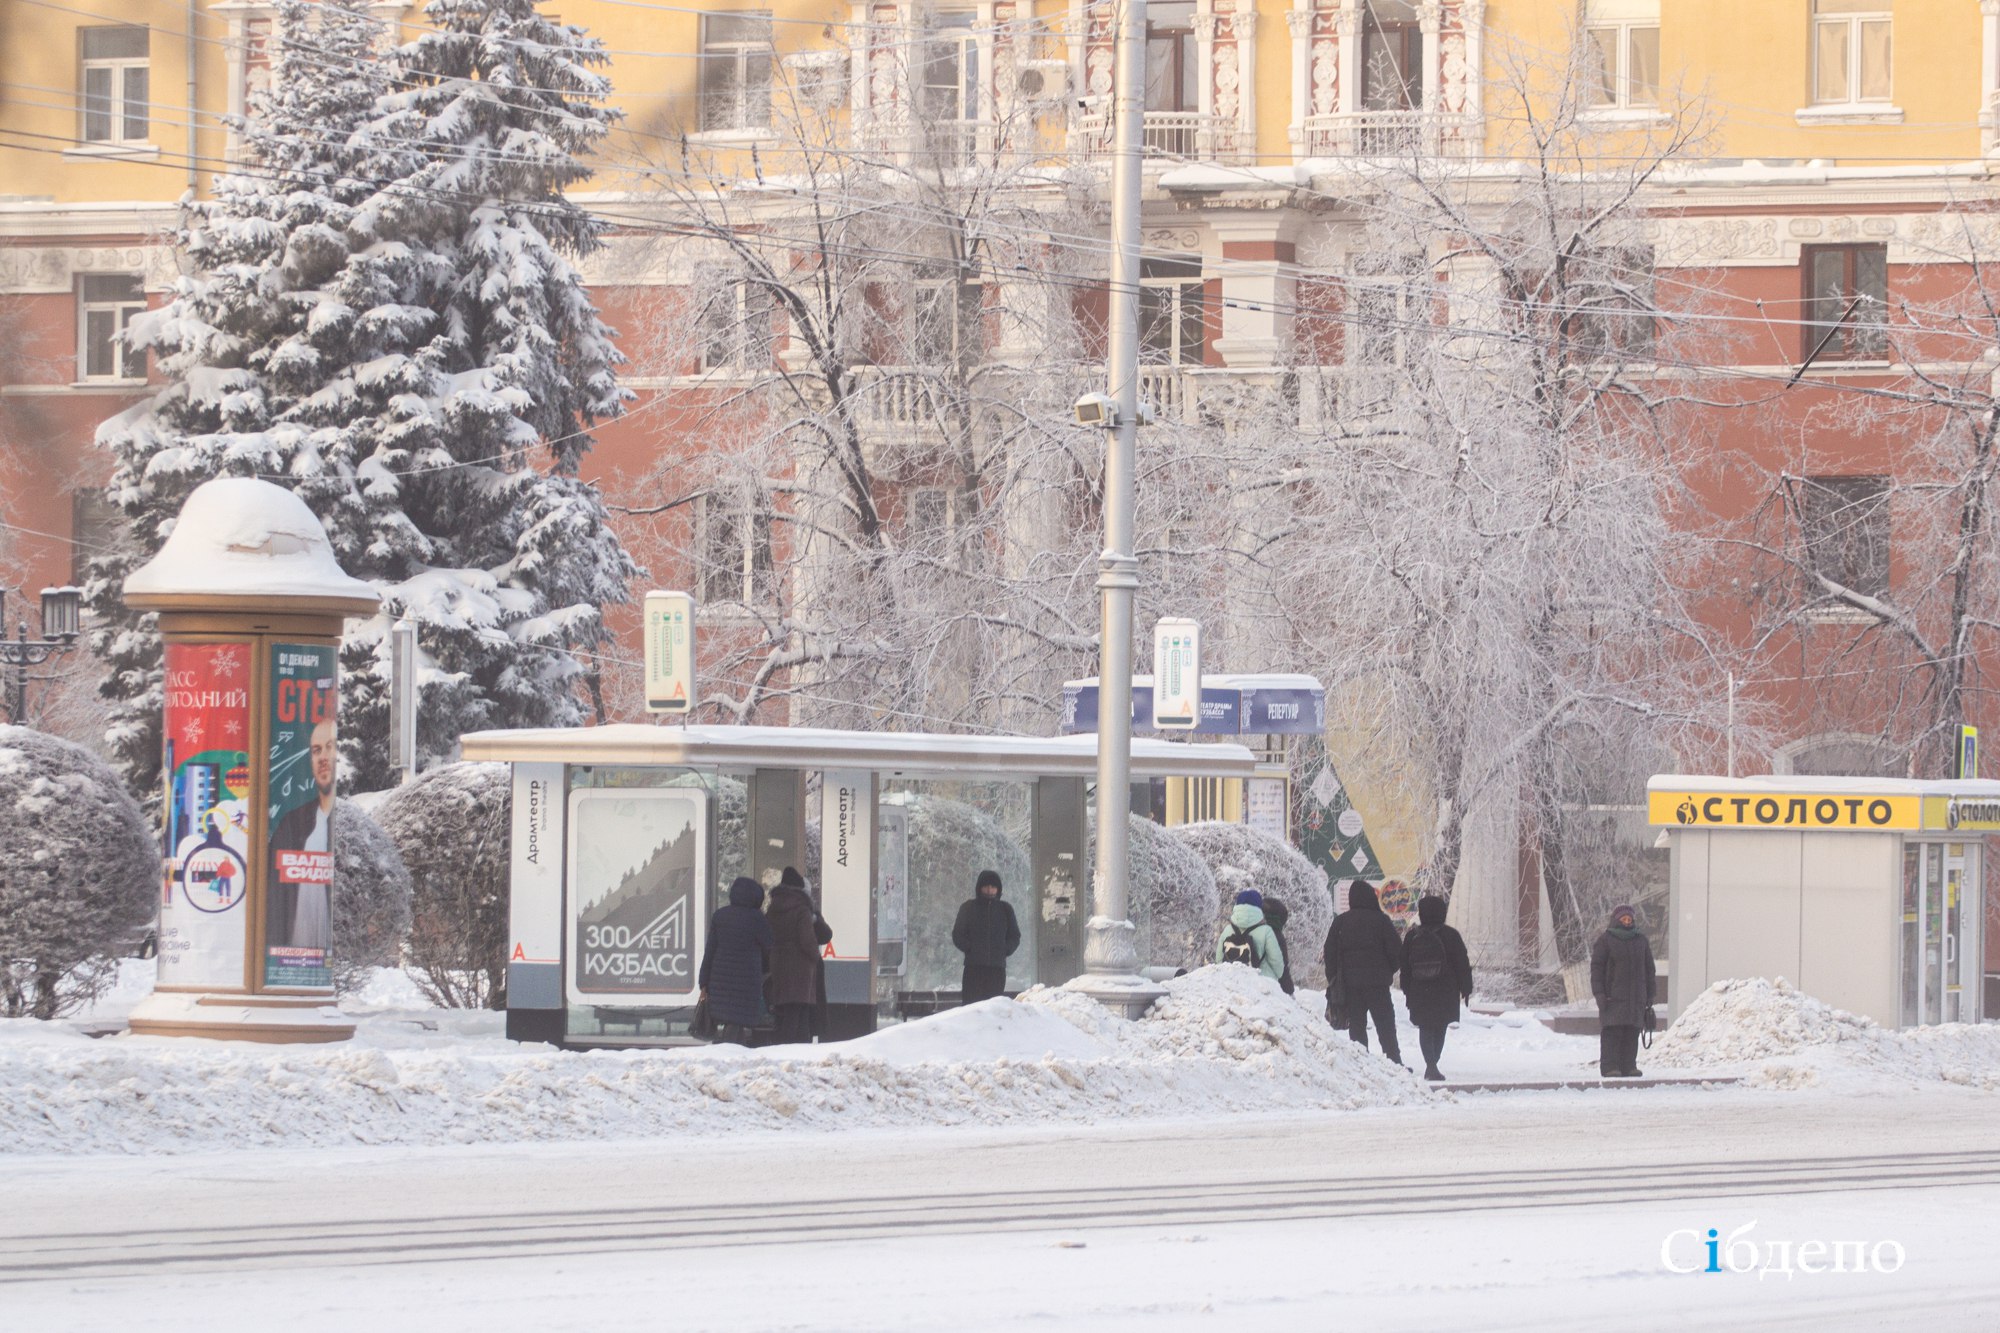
(1363, 952)
(1249, 939)
(1436, 975)
(1276, 914)
(1622, 979)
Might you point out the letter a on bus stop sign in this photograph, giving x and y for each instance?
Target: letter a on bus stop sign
(669, 652)
(1176, 674)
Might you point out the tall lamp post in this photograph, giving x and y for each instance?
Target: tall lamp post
(1110, 948)
(62, 621)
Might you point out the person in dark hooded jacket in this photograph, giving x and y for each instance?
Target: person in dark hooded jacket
(1363, 952)
(1436, 975)
(733, 967)
(1622, 978)
(795, 958)
(987, 934)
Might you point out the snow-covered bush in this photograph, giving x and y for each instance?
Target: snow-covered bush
(1171, 896)
(79, 873)
(1240, 858)
(371, 897)
(450, 827)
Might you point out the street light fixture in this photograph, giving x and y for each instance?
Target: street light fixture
(62, 622)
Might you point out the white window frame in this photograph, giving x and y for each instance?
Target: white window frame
(1853, 23)
(754, 582)
(124, 361)
(740, 53)
(117, 71)
(964, 307)
(751, 314)
(1621, 70)
(1399, 282)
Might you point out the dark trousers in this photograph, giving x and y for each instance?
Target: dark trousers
(1618, 1050)
(983, 981)
(794, 1024)
(1364, 1002)
(1432, 1042)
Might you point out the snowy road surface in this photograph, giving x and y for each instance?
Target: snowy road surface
(1519, 1210)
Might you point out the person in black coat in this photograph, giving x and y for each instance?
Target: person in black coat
(987, 934)
(735, 962)
(1363, 952)
(795, 959)
(1436, 975)
(1622, 978)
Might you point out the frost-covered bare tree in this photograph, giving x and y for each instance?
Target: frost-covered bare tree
(876, 339)
(1879, 583)
(1500, 604)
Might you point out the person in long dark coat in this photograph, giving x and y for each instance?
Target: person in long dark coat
(1622, 978)
(794, 958)
(987, 934)
(1363, 952)
(737, 957)
(1437, 973)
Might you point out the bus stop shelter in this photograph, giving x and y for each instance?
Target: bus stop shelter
(1866, 893)
(625, 838)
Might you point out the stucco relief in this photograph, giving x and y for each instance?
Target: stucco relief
(1300, 21)
(1228, 83)
(1098, 63)
(1173, 240)
(1689, 241)
(1325, 77)
(1950, 237)
(1451, 95)
(54, 268)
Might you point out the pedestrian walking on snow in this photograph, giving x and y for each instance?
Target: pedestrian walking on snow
(1622, 978)
(1437, 974)
(1249, 939)
(795, 959)
(739, 954)
(987, 934)
(1363, 953)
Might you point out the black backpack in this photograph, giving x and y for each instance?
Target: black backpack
(1239, 947)
(1428, 960)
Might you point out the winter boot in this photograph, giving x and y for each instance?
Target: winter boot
(1432, 1075)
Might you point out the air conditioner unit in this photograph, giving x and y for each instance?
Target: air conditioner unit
(820, 77)
(1042, 81)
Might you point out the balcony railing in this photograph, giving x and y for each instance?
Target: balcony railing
(1170, 136)
(1378, 134)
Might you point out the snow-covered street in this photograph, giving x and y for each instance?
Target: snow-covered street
(1517, 1210)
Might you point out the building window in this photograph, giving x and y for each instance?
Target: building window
(1847, 294)
(113, 80)
(1846, 526)
(1392, 58)
(1850, 51)
(945, 322)
(1384, 300)
(736, 326)
(1624, 60)
(944, 521)
(736, 71)
(1612, 294)
(94, 526)
(105, 304)
(737, 564)
(1172, 327)
(1173, 79)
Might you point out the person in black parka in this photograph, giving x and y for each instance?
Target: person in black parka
(1622, 978)
(1436, 975)
(987, 934)
(1363, 952)
(795, 958)
(737, 957)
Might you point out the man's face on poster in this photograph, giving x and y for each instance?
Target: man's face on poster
(323, 759)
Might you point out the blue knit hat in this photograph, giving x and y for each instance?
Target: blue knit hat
(1250, 896)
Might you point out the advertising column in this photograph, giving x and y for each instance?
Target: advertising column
(298, 910)
(203, 917)
(847, 885)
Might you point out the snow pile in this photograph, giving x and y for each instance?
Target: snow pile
(1774, 1035)
(1223, 1041)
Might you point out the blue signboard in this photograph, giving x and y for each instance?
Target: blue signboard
(1225, 711)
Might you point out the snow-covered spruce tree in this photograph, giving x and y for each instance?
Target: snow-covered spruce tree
(414, 352)
(79, 871)
(450, 827)
(371, 896)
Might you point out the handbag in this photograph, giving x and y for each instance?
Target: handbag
(1336, 1002)
(1646, 1027)
(702, 1025)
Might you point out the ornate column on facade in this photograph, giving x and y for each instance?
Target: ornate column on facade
(1347, 48)
(1429, 19)
(1299, 22)
(1204, 58)
(1241, 124)
(1259, 281)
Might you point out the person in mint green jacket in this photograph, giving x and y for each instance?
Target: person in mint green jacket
(1249, 939)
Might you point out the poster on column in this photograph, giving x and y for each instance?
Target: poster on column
(298, 907)
(207, 841)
